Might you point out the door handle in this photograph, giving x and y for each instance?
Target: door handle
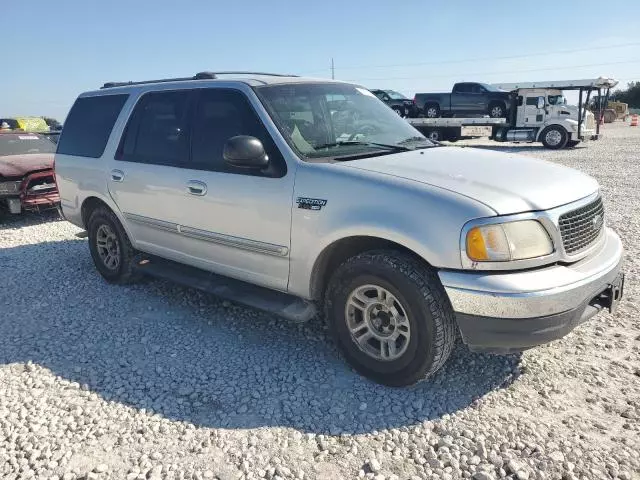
(195, 187)
(117, 175)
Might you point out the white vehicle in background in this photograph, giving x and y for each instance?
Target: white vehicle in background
(541, 112)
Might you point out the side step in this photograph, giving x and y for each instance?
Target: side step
(288, 306)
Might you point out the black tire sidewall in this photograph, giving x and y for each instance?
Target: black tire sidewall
(419, 354)
(437, 134)
(98, 218)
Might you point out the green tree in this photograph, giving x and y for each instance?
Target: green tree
(631, 95)
(53, 123)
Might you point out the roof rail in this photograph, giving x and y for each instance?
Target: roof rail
(197, 76)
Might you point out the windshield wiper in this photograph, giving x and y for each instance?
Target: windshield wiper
(396, 148)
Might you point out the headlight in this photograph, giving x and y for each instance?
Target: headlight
(504, 242)
(10, 188)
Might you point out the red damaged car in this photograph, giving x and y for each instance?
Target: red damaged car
(27, 181)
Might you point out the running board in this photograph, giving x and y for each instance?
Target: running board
(282, 304)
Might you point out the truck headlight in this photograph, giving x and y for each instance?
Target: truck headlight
(503, 242)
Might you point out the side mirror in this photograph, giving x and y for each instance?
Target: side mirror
(540, 102)
(245, 151)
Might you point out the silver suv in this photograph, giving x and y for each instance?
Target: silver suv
(296, 196)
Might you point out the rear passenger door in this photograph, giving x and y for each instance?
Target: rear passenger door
(239, 222)
(147, 178)
(462, 99)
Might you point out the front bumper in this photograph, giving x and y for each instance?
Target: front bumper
(511, 311)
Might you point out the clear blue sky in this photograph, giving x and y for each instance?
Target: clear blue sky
(54, 50)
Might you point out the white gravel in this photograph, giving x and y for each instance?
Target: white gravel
(155, 381)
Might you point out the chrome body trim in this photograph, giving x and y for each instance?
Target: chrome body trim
(213, 237)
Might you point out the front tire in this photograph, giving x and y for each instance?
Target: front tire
(554, 137)
(399, 111)
(390, 317)
(110, 247)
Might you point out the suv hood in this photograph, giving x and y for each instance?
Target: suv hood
(20, 165)
(504, 182)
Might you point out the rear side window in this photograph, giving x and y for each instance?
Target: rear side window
(158, 131)
(89, 124)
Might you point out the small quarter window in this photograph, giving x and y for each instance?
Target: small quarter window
(89, 124)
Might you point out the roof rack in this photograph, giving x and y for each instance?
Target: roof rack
(197, 76)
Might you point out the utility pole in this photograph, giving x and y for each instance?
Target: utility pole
(333, 70)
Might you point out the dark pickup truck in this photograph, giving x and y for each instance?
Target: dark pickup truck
(398, 102)
(467, 98)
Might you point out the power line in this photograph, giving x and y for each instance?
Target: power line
(477, 59)
(504, 71)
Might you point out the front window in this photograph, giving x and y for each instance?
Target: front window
(326, 120)
(557, 100)
(24, 144)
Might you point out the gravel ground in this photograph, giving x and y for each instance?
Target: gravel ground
(156, 381)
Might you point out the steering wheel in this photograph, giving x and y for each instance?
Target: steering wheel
(365, 129)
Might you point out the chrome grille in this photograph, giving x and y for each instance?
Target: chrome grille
(581, 227)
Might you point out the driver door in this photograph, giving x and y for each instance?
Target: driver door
(533, 116)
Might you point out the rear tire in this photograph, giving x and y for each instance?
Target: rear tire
(609, 116)
(390, 317)
(431, 110)
(497, 110)
(554, 137)
(110, 247)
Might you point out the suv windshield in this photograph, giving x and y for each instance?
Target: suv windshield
(323, 120)
(26, 143)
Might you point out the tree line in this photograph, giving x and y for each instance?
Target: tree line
(631, 95)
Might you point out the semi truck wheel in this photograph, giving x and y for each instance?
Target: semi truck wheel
(390, 317)
(554, 137)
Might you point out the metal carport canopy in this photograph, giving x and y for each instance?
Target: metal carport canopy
(590, 83)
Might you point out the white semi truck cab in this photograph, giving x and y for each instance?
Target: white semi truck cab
(541, 112)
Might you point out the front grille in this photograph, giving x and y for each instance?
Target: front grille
(581, 227)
